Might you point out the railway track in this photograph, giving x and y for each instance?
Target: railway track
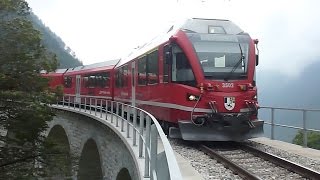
(251, 163)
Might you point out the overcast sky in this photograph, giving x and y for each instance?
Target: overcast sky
(99, 30)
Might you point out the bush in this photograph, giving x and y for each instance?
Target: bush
(313, 139)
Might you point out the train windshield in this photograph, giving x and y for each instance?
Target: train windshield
(222, 60)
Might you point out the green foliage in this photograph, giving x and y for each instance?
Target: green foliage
(19, 7)
(24, 94)
(313, 139)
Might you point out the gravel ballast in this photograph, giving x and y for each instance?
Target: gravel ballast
(210, 169)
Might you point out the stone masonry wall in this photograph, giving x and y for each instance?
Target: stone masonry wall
(114, 154)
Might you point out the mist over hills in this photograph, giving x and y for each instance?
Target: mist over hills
(277, 89)
(66, 57)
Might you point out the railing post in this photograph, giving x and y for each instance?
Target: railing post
(111, 110)
(272, 123)
(74, 103)
(100, 108)
(80, 104)
(95, 107)
(63, 101)
(153, 149)
(141, 134)
(69, 102)
(85, 104)
(106, 109)
(122, 117)
(128, 120)
(134, 126)
(117, 118)
(305, 132)
(147, 147)
(90, 104)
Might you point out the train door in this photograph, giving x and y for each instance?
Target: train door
(133, 84)
(78, 87)
(167, 56)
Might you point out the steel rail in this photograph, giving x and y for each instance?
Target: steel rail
(289, 165)
(229, 164)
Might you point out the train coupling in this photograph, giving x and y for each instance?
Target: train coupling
(250, 124)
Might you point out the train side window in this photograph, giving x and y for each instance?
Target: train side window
(86, 81)
(142, 69)
(152, 68)
(106, 79)
(125, 76)
(102, 80)
(119, 78)
(99, 82)
(181, 70)
(67, 82)
(92, 81)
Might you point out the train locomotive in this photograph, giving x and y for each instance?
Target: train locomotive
(197, 79)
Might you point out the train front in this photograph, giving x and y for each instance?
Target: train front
(223, 60)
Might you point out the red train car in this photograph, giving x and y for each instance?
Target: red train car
(55, 78)
(198, 79)
(95, 80)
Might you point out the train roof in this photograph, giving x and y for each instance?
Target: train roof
(102, 64)
(196, 25)
(95, 67)
(200, 25)
(57, 71)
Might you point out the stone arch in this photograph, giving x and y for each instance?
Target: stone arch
(123, 174)
(90, 164)
(58, 157)
(110, 150)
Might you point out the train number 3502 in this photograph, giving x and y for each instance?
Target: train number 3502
(227, 85)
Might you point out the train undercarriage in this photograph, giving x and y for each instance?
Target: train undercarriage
(228, 127)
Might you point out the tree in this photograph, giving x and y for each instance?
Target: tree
(24, 94)
(313, 139)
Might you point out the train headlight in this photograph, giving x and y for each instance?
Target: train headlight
(191, 97)
(255, 97)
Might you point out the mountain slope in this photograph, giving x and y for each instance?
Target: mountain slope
(66, 57)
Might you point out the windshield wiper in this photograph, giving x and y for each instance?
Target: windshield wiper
(188, 30)
(226, 78)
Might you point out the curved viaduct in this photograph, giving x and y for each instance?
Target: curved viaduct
(100, 152)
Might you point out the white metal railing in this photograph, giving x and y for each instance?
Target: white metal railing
(304, 119)
(157, 165)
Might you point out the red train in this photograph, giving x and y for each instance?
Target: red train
(198, 79)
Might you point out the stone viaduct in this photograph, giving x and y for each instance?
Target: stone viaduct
(100, 152)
